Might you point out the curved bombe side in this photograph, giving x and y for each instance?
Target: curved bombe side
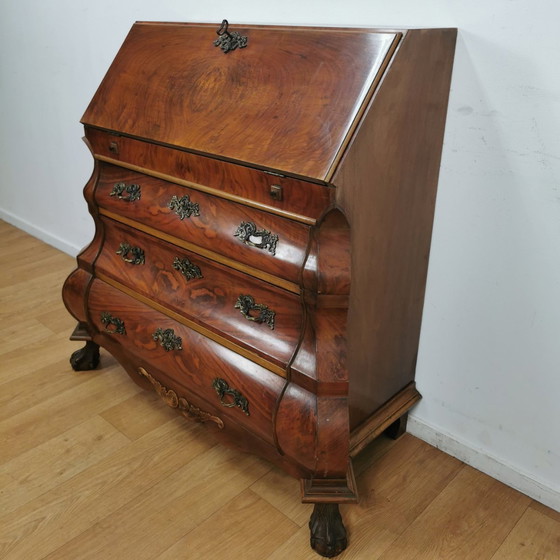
(319, 369)
(76, 286)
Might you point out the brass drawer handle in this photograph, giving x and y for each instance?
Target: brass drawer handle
(127, 193)
(225, 391)
(187, 268)
(167, 339)
(116, 324)
(172, 399)
(246, 304)
(183, 207)
(130, 254)
(248, 233)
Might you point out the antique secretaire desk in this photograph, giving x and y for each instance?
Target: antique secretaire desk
(263, 199)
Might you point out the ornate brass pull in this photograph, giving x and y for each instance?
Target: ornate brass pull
(173, 400)
(237, 399)
(183, 207)
(109, 321)
(128, 193)
(229, 41)
(187, 268)
(248, 233)
(167, 339)
(130, 254)
(246, 304)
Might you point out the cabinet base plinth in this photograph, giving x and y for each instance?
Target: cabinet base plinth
(330, 490)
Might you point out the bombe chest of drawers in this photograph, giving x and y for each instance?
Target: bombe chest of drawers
(263, 199)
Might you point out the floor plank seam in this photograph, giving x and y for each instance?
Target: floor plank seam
(512, 528)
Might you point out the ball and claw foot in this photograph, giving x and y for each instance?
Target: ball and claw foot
(86, 358)
(328, 535)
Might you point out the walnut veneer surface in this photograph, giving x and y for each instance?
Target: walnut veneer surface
(263, 221)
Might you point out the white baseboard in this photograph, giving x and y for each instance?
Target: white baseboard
(483, 462)
(39, 233)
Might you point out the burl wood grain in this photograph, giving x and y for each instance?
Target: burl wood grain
(303, 201)
(74, 294)
(208, 301)
(268, 105)
(193, 368)
(214, 228)
(320, 363)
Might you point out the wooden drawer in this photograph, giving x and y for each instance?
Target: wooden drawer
(209, 225)
(299, 199)
(192, 363)
(208, 296)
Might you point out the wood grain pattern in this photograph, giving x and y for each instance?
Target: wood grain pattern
(395, 488)
(209, 300)
(29, 388)
(46, 523)
(535, 536)
(227, 261)
(185, 502)
(143, 407)
(75, 294)
(214, 229)
(309, 161)
(13, 370)
(61, 458)
(266, 105)
(388, 178)
(303, 201)
(90, 396)
(264, 529)
(296, 425)
(192, 370)
(140, 499)
(479, 499)
(181, 319)
(276, 487)
(383, 418)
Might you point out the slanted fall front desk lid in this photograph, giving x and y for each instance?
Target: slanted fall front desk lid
(287, 102)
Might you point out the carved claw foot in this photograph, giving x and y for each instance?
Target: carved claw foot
(86, 358)
(328, 535)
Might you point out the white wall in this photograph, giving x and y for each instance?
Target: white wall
(490, 351)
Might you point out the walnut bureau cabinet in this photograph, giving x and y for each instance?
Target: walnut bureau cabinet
(263, 199)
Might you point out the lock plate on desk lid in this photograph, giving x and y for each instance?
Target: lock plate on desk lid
(229, 41)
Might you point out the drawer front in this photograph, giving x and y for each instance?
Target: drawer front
(238, 233)
(234, 388)
(209, 296)
(298, 199)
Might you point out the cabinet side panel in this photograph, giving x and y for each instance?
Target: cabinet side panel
(386, 184)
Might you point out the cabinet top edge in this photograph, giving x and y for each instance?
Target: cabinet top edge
(287, 26)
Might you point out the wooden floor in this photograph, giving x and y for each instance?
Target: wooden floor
(91, 467)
